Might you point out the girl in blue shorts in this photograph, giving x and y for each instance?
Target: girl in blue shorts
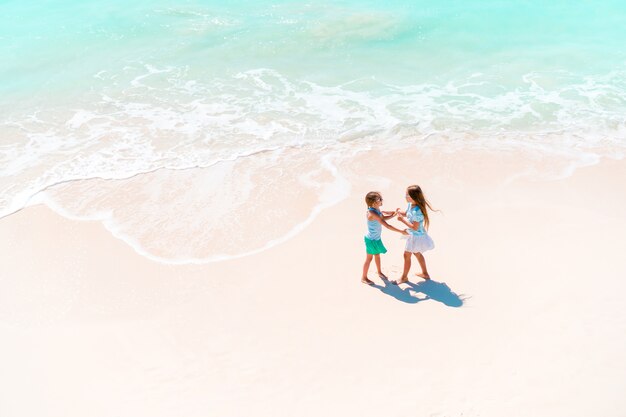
(373, 244)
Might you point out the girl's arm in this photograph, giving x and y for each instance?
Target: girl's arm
(387, 225)
(400, 212)
(414, 225)
(388, 214)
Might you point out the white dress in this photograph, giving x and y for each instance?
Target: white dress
(418, 240)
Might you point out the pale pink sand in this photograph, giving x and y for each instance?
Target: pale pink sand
(91, 328)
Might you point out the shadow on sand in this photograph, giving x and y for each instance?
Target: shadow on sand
(412, 293)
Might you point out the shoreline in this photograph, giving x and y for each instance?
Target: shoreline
(341, 179)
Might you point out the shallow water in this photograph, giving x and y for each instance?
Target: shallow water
(117, 90)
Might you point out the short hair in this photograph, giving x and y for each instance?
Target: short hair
(372, 197)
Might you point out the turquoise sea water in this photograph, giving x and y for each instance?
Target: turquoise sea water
(56, 46)
(113, 89)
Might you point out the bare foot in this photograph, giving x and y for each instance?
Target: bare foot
(383, 276)
(366, 280)
(423, 275)
(400, 281)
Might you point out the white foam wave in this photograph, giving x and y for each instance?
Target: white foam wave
(160, 117)
(210, 219)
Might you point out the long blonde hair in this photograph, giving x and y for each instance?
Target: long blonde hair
(416, 193)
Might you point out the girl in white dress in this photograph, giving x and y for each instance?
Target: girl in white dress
(416, 219)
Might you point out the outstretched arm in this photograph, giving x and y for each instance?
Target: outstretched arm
(387, 225)
(412, 225)
(400, 212)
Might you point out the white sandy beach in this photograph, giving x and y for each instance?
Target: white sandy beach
(524, 315)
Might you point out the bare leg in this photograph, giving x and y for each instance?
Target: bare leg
(366, 267)
(422, 262)
(380, 271)
(407, 267)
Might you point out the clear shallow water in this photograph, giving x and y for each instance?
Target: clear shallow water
(115, 89)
